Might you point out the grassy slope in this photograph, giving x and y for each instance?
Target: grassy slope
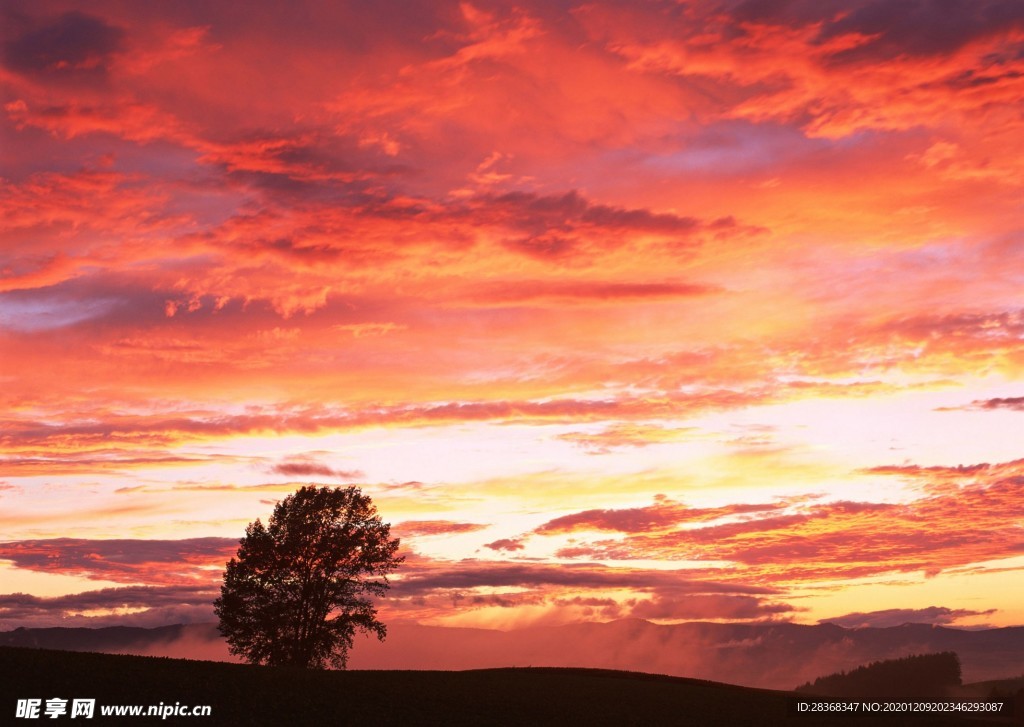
(246, 695)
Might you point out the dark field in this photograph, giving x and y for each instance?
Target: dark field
(246, 695)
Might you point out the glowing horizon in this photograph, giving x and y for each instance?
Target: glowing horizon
(682, 311)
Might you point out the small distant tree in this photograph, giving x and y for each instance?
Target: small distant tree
(300, 587)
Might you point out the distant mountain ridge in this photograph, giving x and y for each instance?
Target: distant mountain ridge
(102, 639)
(767, 655)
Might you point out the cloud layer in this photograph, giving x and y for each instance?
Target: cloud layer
(582, 294)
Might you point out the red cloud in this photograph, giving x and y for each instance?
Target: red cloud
(759, 81)
(584, 292)
(166, 562)
(305, 468)
(152, 430)
(417, 528)
(439, 577)
(507, 544)
(663, 514)
(963, 518)
(707, 607)
(1014, 403)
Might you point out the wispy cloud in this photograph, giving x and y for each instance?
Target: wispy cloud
(898, 616)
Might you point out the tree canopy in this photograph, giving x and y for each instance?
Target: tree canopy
(300, 587)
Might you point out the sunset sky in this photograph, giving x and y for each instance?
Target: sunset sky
(667, 310)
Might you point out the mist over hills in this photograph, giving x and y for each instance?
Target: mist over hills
(767, 655)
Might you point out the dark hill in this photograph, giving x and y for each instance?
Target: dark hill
(246, 695)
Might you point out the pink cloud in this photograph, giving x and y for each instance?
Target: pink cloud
(417, 528)
(155, 562)
(509, 545)
(312, 468)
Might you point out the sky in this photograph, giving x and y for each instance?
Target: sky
(679, 311)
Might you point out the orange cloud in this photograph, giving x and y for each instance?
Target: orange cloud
(624, 435)
(966, 515)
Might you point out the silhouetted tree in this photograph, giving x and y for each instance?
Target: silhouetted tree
(300, 587)
(921, 676)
